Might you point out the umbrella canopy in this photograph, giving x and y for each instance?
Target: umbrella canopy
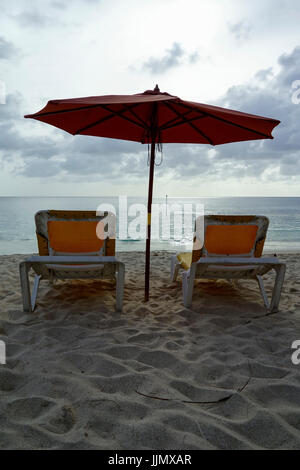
(138, 117)
(153, 117)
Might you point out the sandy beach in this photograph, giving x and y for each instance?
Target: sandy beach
(158, 376)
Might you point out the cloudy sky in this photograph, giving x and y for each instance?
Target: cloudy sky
(234, 53)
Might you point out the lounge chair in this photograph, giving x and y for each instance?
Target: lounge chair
(69, 248)
(231, 249)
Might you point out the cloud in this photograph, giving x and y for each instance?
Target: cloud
(169, 60)
(264, 74)
(268, 94)
(59, 5)
(7, 49)
(194, 57)
(34, 19)
(271, 97)
(17, 148)
(240, 30)
(107, 157)
(290, 68)
(62, 5)
(174, 57)
(50, 14)
(57, 153)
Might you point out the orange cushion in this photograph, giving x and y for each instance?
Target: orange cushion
(230, 239)
(70, 236)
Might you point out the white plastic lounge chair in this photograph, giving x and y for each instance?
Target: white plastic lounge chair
(231, 249)
(69, 248)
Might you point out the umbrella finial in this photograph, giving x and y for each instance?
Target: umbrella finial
(156, 89)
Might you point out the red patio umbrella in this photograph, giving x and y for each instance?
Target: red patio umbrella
(153, 118)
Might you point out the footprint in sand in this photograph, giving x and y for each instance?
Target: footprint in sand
(10, 381)
(25, 409)
(62, 420)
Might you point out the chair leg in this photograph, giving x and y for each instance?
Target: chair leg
(120, 277)
(174, 268)
(188, 279)
(35, 291)
(263, 292)
(25, 287)
(280, 273)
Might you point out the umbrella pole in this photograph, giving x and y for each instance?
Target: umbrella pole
(148, 239)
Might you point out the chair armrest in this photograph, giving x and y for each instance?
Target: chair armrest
(236, 261)
(73, 259)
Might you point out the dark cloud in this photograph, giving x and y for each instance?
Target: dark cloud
(169, 60)
(174, 57)
(80, 156)
(271, 97)
(107, 157)
(264, 74)
(290, 68)
(18, 149)
(7, 49)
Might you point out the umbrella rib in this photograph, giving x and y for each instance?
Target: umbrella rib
(82, 108)
(106, 118)
(229, 122)
(137, 116)
(61, 111)
(176, 122)
(190, 123)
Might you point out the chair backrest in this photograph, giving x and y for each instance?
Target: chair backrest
(75, 232)
(229, 235)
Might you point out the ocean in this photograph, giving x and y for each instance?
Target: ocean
(17, 228)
